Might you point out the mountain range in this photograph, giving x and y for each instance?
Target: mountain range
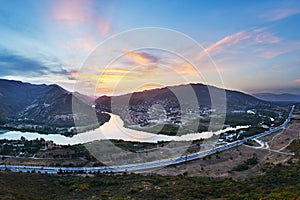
(286, 97)
(195, 98)
(48, 108)
(201, 95)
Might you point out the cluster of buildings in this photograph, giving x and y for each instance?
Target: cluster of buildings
(159, 112)
(144, 114)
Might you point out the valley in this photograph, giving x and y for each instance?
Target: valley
(167, 129)
(271, 175)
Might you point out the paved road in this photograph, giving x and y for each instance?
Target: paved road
(146, 165)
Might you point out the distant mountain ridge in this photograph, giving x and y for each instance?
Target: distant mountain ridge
(134, 106)
(286, 97)
(44, 108)
(202, 93)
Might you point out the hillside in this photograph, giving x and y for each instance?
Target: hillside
(16, 96)
(174, 94)
(43, 108)
(182, 109)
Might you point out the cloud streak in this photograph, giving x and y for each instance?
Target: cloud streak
(281, 13)
(140, 58)
(228, 42)
(258, 42)
(279, 49)
(244, 39)
(82, 21)
(75, 10)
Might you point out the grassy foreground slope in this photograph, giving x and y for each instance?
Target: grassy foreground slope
(278, 182)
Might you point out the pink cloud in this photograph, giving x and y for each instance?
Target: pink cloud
(266, 44)
(81, 13)
(228, 41)
(75, 10)
(281, 14)
(251, 37)
(271, 53)
(279, 49)
(266, 38)
(88, 43)
(297, 81)
(104, 27)
(78, 19)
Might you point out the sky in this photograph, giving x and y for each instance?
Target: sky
(251, 46)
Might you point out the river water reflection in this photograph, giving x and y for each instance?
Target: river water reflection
(113, 129)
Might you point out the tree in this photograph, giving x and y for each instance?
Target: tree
(23, 139)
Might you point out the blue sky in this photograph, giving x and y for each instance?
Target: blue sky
(255, 44)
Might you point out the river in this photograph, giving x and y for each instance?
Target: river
(113, 129)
